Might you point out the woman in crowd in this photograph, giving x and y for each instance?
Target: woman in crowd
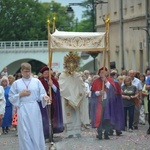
(144, 105)
(120, 80)
(7, 120)
(11, 79)
(2, 104)
(129, 93)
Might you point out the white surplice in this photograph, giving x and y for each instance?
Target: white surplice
(85, 106)
(30, 128)
(2, 101)
(72, 93)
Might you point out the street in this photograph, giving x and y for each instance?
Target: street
(137, 140)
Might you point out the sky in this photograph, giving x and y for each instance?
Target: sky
(77, 9)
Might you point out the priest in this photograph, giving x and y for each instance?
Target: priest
(52, 114)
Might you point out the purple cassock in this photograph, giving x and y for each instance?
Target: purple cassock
(56, 111)
(114, 111)
(114, 107)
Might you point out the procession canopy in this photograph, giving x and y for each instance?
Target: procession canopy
(77, 41)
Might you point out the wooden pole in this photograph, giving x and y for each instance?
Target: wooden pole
(52, 146)
(54, 20)
(49, 56)
(50, 53)
(107, 21)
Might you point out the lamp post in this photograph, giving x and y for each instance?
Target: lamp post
(92, 6)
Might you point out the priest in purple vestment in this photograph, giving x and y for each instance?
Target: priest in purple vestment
(106, 105)
(115, 107)
(52, 114)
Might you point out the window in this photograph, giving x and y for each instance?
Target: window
(124, 4)
(141, 60)
(117, 59)
(139, 2)
(127, 59)
(131, 3)
(133, 60)
(115, 6)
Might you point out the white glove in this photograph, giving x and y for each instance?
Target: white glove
(97, 93)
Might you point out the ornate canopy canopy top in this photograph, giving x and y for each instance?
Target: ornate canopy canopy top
(77, 41)
(71, 62)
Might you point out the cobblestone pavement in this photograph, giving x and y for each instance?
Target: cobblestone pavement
(137, 140)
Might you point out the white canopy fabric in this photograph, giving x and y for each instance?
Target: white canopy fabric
(77, 41)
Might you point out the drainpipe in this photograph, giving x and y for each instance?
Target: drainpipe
(147, 35)
(121, 34)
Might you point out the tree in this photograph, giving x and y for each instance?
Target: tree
(26, 19)
(63, 20)
(87, 24)
(89, 16)
(21, 20)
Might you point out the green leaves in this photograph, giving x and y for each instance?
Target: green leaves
(26, 19)
(22, 20)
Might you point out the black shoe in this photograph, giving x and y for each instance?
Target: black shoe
(7, 128)
(118, 133)
(135, 127)
(4, 130)
(106, 137)
(148, 131)
(70, 136)
(110, 132)
(99, 137)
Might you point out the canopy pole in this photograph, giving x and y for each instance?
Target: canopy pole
(107, 21)
(52, 146)
(49, 55)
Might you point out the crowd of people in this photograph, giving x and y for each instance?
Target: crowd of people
(72, 101)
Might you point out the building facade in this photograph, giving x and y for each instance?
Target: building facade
(128, 34)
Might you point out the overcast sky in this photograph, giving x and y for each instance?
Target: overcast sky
(77, 9)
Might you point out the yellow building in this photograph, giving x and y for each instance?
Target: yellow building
(129, 33)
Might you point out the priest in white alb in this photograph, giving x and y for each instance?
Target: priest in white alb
(72, 94)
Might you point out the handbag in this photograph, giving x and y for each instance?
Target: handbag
(136, 101)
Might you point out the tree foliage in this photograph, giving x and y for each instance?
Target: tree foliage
(26, 19)
(87, 24)
(21, 20)
(63, 21)
(89, 16)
